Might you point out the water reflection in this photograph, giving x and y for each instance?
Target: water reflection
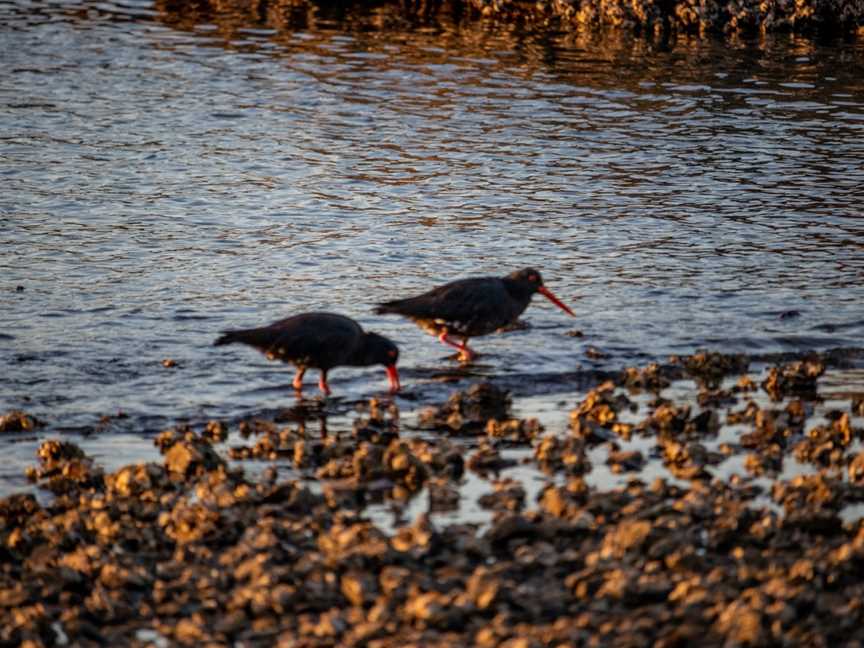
(171, 167)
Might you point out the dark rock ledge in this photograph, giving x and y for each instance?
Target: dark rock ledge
(649, 17)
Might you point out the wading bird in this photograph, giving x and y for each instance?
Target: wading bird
(319, 341)
(472, 307)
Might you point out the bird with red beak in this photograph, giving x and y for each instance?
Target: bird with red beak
(472, 307)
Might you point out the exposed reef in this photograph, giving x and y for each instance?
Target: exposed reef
(647, 17)
(193, 550)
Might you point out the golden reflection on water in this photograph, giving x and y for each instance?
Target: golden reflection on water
(608, 59)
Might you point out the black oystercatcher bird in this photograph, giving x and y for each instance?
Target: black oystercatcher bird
(319, 341)
(470, 307)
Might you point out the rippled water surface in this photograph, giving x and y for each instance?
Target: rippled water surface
(166, 177)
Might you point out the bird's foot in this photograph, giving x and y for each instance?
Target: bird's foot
(467, 355)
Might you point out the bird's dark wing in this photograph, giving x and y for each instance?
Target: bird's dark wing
(459, 301)
(323, 346)
(310, 339)
(259, 338)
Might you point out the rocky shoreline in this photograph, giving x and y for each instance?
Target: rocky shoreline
(194, 551)
(653, 18)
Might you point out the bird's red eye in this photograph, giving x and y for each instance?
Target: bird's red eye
(391, 353)
(532, 277)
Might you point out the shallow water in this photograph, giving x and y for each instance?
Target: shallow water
(165, 177)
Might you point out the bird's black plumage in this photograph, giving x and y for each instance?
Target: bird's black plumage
(472, 307)
(319, 341)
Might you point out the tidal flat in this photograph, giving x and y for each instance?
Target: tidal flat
(686, 180)
(713, 499)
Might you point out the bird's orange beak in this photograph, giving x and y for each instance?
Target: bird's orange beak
(543, 290)
(393, 377)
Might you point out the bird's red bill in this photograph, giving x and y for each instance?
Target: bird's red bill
(393, 377)
(543, 290)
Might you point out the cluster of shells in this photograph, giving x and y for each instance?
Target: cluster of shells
(678, 551)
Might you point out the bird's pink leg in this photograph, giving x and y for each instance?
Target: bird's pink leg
(322, 383)
(464, 352)
(298, 380)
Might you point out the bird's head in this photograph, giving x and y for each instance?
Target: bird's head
(378, 349)
(532, 280)
(527, 276)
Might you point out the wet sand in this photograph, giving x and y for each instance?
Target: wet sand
(714, 500)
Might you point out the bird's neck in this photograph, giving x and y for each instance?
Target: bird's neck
(360, 355)
(520, 290)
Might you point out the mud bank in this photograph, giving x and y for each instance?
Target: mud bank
(649, 17)
(192, 550)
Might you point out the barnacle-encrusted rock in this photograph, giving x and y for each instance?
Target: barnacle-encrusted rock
(508, 495)
(805, 493)
(17, 421)
(514, 430)
(653, 378)
(488, 459)
(216, 431)
(710, 368)
(741, 623)
(144, 481)
(827, 444)
(589, 21)
(553, 453)
(793, 379)
(625, 460)
(380, 427)
(566, 501)
(675, 421)
(403, 466)
(192, 456)
(419, 539)
(716, 398)
(64, 468)
(443, 494)
(688, 460)
(596, 419)
(467, 412)
(54, 453)
(768, 461)
(210, 556)
(626, 537)
(17, 509)
(856, 469)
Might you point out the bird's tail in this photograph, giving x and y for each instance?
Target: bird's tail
(227, 337)
(260, 338)
(388, 307)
